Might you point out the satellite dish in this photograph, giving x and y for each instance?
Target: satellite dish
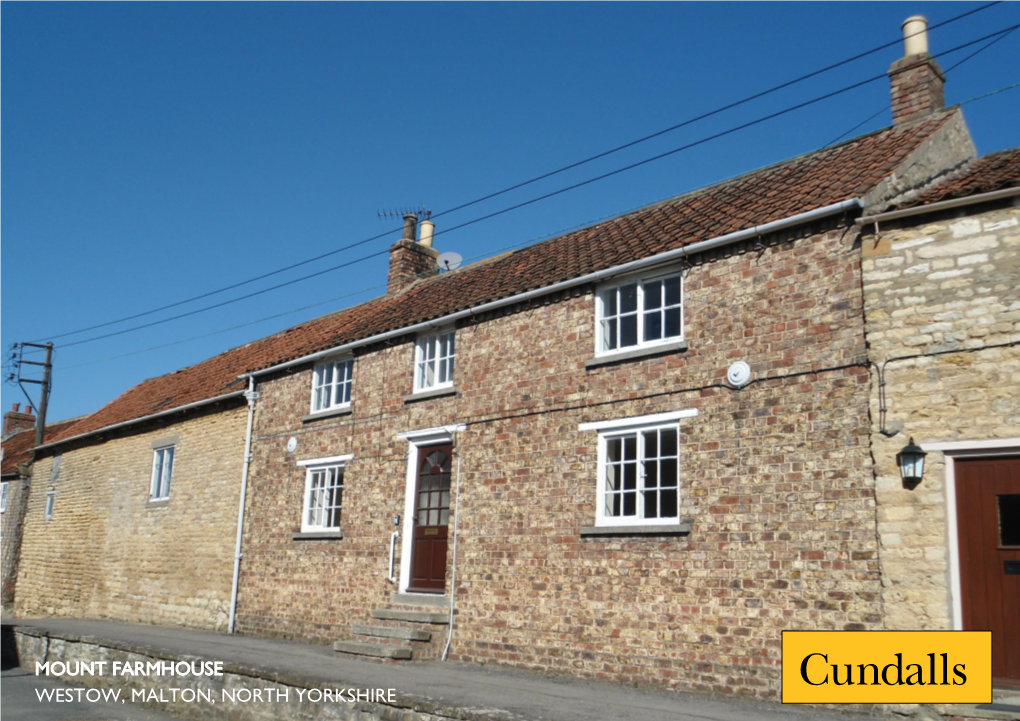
(449, 261)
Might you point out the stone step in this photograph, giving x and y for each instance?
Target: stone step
(390, 614)
(420, 599)
(405, 634)
(377, 650)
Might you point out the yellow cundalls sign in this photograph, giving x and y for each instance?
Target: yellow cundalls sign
(887, 666)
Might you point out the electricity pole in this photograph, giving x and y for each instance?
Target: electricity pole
(45, 383)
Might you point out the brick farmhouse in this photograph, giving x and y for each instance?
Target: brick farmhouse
(635, 452)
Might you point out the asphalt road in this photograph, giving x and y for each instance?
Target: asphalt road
(19, 701)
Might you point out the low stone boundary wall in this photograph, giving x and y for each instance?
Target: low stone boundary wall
(281, 695)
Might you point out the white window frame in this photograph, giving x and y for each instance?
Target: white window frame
(344, 364)
(3, 496)
(51, 498)
(444, 338)
(635, 426)
(317, 465)
(159, 489)
(641, 280)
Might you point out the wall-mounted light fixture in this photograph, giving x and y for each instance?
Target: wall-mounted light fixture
(911, 463)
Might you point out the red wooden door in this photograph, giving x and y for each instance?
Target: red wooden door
(988, 518)
(431, 519)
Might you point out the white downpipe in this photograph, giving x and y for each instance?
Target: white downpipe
(252, 396)
(453, 582)
(599, 275)
(393, 553)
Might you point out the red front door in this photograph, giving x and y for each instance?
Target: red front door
(431, 519)
(988, 518)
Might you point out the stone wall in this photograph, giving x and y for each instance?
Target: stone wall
(10, 530)
(110, 552)
(776, 478)
(942, 284)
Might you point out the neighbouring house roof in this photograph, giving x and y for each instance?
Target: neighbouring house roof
(995, 171)
(18, 446)
(810, 181)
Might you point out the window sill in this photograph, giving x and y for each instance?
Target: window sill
(646, 352)
(677, 529)
(158, 501)
(332, 413)
(318, 536)
(425, 395)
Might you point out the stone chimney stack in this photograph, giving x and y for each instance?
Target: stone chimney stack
(15, 420)
(409, 259)
(918, 83)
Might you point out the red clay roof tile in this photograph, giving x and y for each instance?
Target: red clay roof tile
(18, 446)
(995, 171)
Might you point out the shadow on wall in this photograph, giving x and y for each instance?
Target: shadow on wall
(8, 649)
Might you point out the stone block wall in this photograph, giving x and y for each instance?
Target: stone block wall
(109, 552)
(10, 530)
(943, 284)
(776, 481)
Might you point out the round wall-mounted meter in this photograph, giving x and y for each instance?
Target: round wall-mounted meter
(739, 374)
(292, 445)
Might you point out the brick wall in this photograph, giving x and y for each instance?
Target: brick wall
(776, 480)
(933, 284)
(108, 552)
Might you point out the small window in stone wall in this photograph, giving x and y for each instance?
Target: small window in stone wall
(3, 496)
(51, 497)
(162, 472)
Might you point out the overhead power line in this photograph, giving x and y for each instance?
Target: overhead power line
(351, 294)
(419, 275)
(589, 181)
(525, 183)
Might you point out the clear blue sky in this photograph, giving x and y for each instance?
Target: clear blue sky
(155, 151)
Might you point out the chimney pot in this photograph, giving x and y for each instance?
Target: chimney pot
(410, 222)
(17, 420)
(425, 234)
(915, 35)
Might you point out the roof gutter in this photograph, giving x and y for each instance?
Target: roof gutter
(153, 416)
(934, 207)
(670, 255)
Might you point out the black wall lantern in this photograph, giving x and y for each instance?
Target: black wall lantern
(911, 463)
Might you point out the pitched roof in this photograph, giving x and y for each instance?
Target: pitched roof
(995, 171)
(18, 446)
(827, 176)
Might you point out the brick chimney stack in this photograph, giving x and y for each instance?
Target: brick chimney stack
(918, 83)
(15, 420)
(409, 259)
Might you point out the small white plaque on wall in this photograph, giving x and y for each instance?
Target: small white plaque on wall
(739, 374)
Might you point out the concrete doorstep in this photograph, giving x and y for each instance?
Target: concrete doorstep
(267, 679)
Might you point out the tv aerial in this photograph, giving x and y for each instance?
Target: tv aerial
(449, 261)
(421, 212)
